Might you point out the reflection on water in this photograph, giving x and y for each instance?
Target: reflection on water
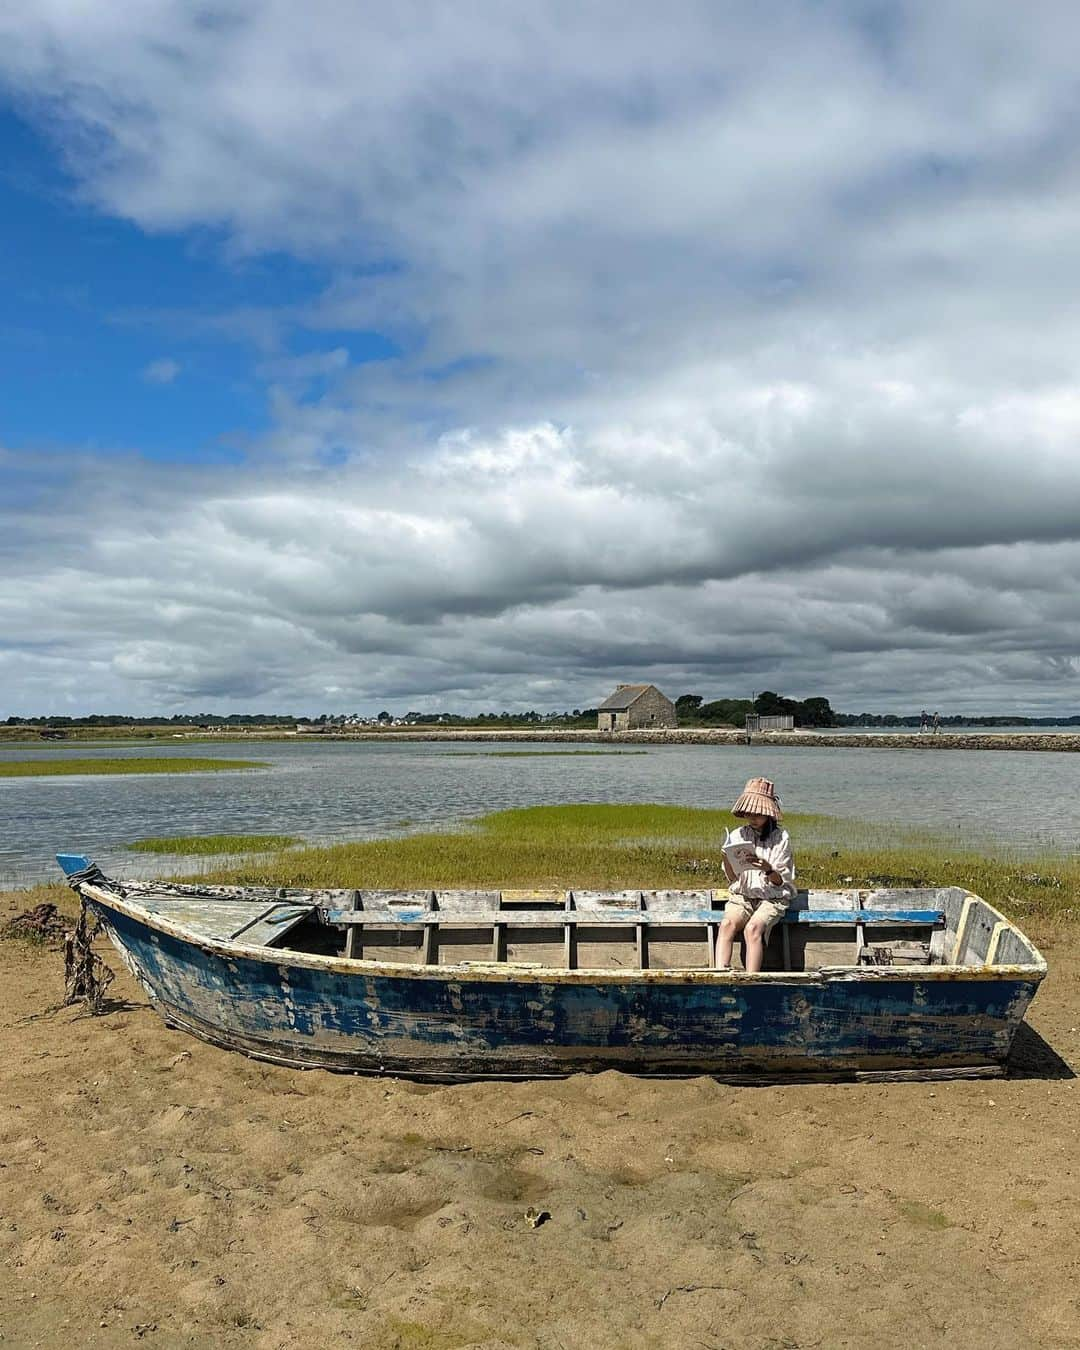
(340, 790)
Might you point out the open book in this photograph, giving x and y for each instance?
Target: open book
(740, 855)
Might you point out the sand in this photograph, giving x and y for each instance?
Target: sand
(155, 1189)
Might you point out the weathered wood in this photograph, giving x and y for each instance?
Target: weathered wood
(273, 927)
(226, 921)
(641, 940)
(354, 937)
(466, 902)
(570, 936)
(531, 1020)
(860, 932)
(606, 900)
(251, 922)
(616, 918)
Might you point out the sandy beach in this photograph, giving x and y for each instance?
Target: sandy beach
(155, 1189)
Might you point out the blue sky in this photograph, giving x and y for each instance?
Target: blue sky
(109, 340)
(424, 359)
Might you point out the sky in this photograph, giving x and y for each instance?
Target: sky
(486, 356)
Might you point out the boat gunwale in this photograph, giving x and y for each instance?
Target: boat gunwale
(508, 972)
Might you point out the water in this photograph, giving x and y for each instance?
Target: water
(340, 790)
(1059, 728)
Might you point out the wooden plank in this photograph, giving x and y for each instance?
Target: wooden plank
(251, 922)
(860, 931)
(570, 935)
(211, 919)
(1000, 929)
(429, 951)
(498, 942)
(910, 918)
(712, 936)
(466, 902)
(614, 918)
(605, 900)
(665, 907)
(970, 903)
(354, 937)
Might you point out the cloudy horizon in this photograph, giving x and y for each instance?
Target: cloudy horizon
(486, 359)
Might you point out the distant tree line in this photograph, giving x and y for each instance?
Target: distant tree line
(692, 710)
(809, 712)
(177, 719)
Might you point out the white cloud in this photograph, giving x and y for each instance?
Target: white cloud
(162, 371)
(735, 353)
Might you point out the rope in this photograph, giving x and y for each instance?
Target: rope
(86, 976)
(91, 875)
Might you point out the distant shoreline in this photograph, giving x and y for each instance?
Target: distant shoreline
(1026, 740)
(1036, 740)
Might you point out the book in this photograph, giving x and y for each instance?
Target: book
(740, 854)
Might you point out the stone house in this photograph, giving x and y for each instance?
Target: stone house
(636, 705)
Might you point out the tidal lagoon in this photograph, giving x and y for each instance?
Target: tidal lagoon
(337, 790)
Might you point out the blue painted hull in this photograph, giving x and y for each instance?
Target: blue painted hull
(450, 1023)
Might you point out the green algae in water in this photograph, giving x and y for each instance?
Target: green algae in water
(51, 768)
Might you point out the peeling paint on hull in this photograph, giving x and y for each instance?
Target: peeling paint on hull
(448, 1023)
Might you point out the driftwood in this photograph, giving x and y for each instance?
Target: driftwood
(86, 976)
(43, 923)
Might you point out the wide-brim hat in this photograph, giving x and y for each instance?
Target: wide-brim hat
(758, 798)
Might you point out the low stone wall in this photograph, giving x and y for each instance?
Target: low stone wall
(1046, 740)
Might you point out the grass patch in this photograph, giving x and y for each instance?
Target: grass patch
(652, 846)
(49, 768)
(208, 844)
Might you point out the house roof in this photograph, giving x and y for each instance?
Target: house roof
(621, 699)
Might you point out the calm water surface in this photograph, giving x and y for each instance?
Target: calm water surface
(340, 790)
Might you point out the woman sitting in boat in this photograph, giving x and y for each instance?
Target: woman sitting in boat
(758, 863)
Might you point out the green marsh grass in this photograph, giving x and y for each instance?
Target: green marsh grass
(47, 768)
(653, 846)
(206, 845)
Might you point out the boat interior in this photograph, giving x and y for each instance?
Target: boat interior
(592, 930)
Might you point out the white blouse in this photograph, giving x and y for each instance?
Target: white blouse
(777, 853)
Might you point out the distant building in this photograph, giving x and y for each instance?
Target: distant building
(773, 722)
(636, 705)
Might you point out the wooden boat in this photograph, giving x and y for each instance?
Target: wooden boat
(454, 985)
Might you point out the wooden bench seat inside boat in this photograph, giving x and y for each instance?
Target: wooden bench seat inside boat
(574, 929)
(603, 929)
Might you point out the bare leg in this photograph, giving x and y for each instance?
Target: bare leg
(755, 946)
(730, 927)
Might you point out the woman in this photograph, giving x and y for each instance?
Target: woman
(765, 884)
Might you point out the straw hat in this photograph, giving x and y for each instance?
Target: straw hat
(758, 799)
